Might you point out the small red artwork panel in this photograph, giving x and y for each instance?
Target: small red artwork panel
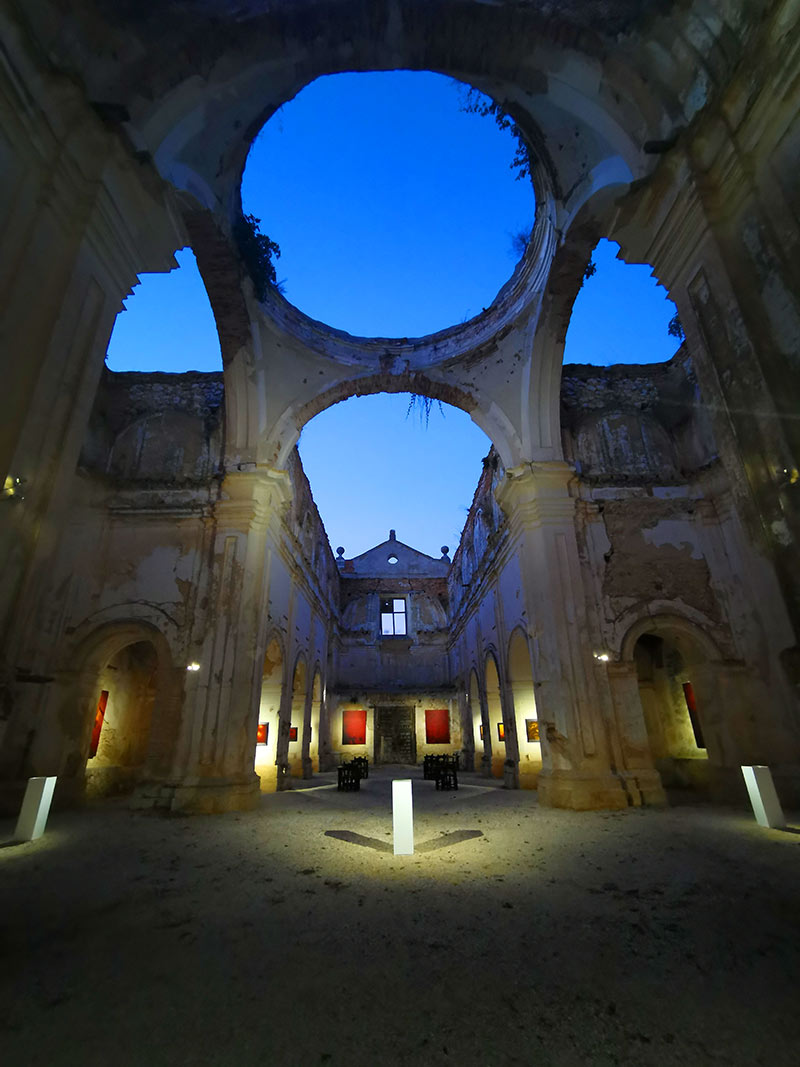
(292, 733)
(501, 731)
(99, 715)
(262, 733)
(354, 726)
(437, 726)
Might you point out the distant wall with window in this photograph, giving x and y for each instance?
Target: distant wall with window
(393, 626)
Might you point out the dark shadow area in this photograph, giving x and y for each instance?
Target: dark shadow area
(360, 839)
(455, 837)
(444, 841)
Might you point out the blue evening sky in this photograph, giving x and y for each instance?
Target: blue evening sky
(394, 212)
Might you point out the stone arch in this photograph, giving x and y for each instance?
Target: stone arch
(521, 683)
(693, 630)
(273, 681)
(120, 710)
(286, 431)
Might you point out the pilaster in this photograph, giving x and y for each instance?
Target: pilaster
(576, 770)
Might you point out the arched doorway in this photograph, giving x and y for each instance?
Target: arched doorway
(527, 721)
(268, 712)
(495, 725)
(673, 677)
(128, 695)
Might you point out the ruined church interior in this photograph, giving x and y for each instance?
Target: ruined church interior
(614, 636)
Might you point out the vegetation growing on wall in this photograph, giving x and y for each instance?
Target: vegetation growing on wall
(675, 327)
(475, 102)
(257, 252)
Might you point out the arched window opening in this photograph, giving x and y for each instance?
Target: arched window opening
(268, 713)
(167, 324)
(621, 314)
(671, 672)
(120, 734)
(526, 716)
(392, 199)
(374, 465)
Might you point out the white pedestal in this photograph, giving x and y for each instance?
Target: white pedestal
(35, 809)
(402, 817)
(766, 806)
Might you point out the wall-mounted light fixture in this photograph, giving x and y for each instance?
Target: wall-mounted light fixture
(193, 667)
(602, 657)
(13, 488)
(786, 476)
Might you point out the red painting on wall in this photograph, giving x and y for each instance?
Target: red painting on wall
(262, 733)
(292, 733)
(501, 731)
(99, 715)
(354, 726)
(691, 707)
(437, 726)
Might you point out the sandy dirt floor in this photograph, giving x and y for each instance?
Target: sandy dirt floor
(293, 936)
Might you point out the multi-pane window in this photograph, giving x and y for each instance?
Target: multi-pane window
(393, 617)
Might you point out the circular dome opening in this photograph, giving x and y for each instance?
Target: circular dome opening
(394, 198)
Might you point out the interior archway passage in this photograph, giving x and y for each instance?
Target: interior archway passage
(668, 668)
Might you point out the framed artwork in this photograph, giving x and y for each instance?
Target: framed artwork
(481, 731)
(354, 726)
(501, 731)
(262, 733)
(437, 726)
(292, 733)
(532, 729)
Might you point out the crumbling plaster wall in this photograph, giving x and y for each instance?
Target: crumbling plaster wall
(658, 536)
(141, 545)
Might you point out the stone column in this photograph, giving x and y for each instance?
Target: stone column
(215, 764)
(308, 769)
(634, 761)
(576, 771)
(486, 758)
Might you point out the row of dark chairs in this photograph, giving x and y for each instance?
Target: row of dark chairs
(443, 770)
(350, 774)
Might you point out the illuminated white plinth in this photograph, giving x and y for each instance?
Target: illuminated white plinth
(35, 809)
(402, 817)
(766, 806)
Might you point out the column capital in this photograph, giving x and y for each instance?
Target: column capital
(538, 492)
(253, 495)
